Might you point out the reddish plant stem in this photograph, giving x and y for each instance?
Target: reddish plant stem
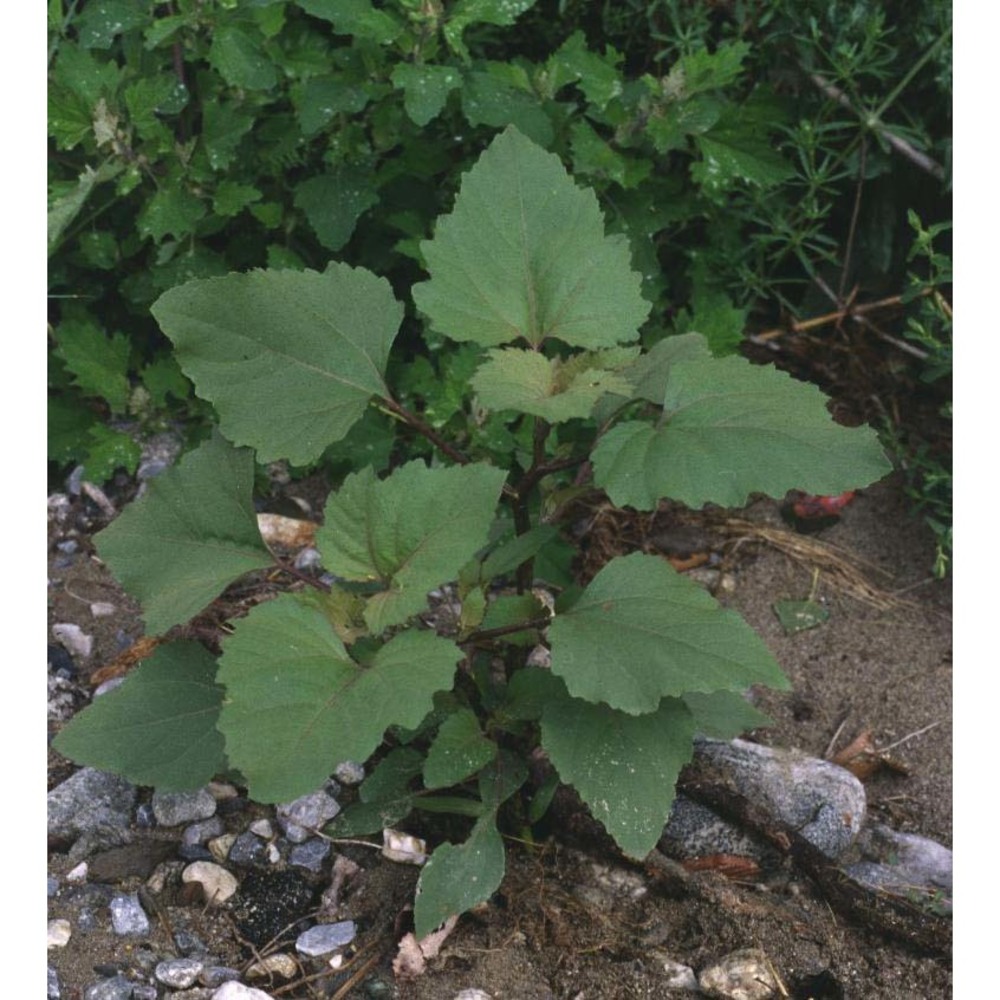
(425, 429)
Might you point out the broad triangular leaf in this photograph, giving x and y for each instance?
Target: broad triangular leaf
(459, 750)
(641, 631)
(724, 714)
(159, 727)
(524, 255)
(289, 358)
(555, 389)
(297, 704)
(193, 533)
(730, 429)
(410, 532)
(458, 876)
(649, 373)
(624, 766)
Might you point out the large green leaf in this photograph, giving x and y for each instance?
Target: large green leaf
(724, 714)
(625, 767)
(458, 750)
(194, 532)
(730, 429)
(289, 358)
(297, 704)
(458, 876)
(524, 255)
(159, 727)
(553, 388)
(641, 631)
(410, 532)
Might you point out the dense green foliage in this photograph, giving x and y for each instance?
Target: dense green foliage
(641, 659)
(731, 144)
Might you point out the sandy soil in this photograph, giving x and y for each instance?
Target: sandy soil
(569, 921)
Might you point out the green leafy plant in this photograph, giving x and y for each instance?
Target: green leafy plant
(641, 659)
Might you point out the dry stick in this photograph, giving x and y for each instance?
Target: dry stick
(901, 146)
(854, 222)
(910, 736)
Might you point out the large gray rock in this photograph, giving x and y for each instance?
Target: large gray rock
(175, 808)
(87, 801)
(694, 831)
(825, 803)
(307, 813)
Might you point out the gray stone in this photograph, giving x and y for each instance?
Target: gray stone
(86, 920)
(325, 938)
(310, 855)
(214, 976)
(247, 849)
(917, 861)
(825, 803)
(202, 831)
(694, 831)
(175, 808)
(52, 978)
(87, 800)
(53, 886)
(298, 819)
(116, 988)
(128, 918)
(188, 943)
(741, 975)
(197, 993)
(678, 976)
(101, 838)
(179, 973)
(195, 852)
(144, 991)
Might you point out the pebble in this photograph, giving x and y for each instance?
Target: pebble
(237, 991)
(220, 790)
(128, 918)
(218, 883)
(221, 846)
(247, 849)
(87, 800)
(144, 991)
(60, 932)
(325, 938)
(741, 975)
(901, 861)
(279, 964)
(60, 662)
(179, 973)
(349, 772)
(116, 988)
(403, 847)
(197, 993)
(310, 855)
(79, 873)
(825, 803)
(176, 808)
(102, 609)
(473, 994)
(263, 828)
(203, 830)
(145, 818)
(679, 976)
(74, 639)
(52, 982)
(307, 813)
(188, 943)
(214, 976)
(195, 852)
(53, 886)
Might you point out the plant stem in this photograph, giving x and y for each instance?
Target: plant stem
(495, 633)
(299, 575)
(422, 427)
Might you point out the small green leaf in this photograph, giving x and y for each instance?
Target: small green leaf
(597, 75)
(641, 631)
(459, 750)
(355, 17)
(159, 727)
(99, 23)
(172, 211)
(231, 198)
(730, 429)
(193, 533)
(109, 450)
(65, 209)
(392, 775)
(457, 877)
(240, 61)
(552, 388)
(491, 98)
(524, 255)
(724, 714)
(289, 358)
(425, 89)
(797, 616)
(324, 97)
(297, 703)
(99, 363)
(466, 12)
(223, 127)
(334, 202)
(509, 554)
(501, 778)
(410, 532)
(625, 767)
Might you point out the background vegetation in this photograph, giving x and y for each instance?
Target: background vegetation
(781, 170)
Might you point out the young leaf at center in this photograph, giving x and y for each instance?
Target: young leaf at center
(524, 255)
(411, 532)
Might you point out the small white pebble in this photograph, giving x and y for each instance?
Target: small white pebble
(218, 883)
(263, 828)
(60, 932)
(78, 874)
